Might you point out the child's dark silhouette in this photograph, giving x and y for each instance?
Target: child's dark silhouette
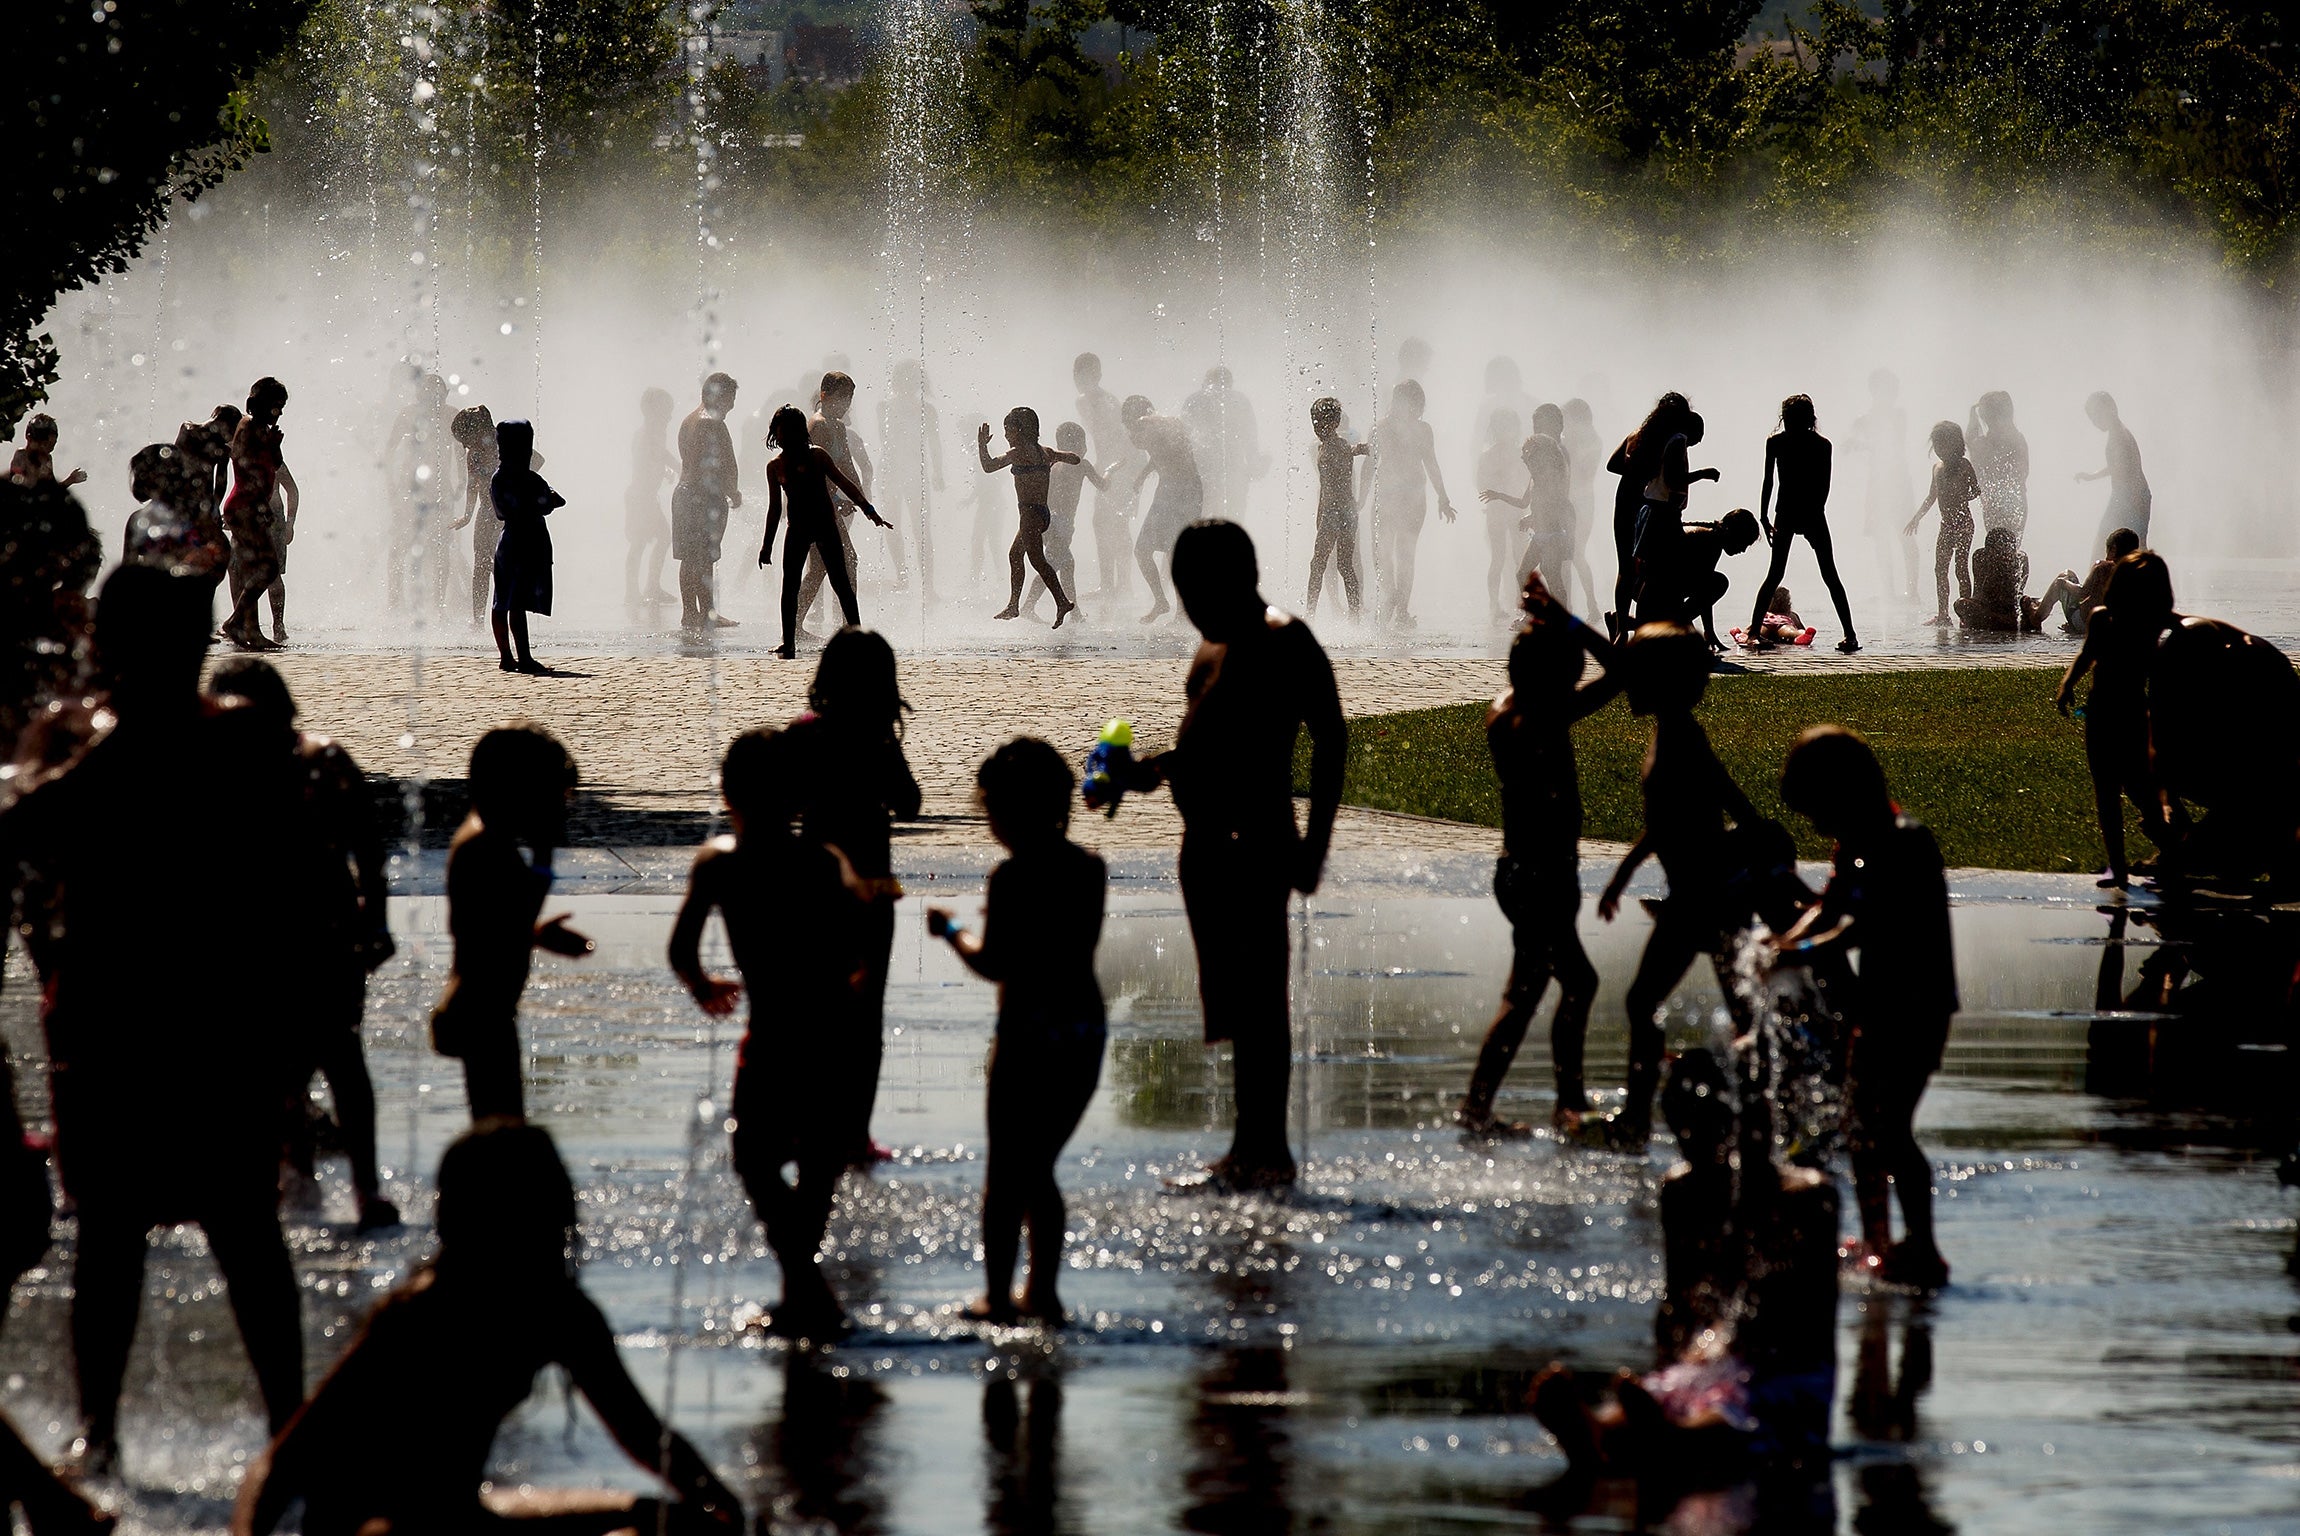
(1687, 794)
(854, 783)
(343, 881)
(257, 471)
(397, 1437)
(1802, 458)
(1888, 897)
(1042, 918)
(1258, 679)
(520, 782)
(34, 464)
(1955, 486)
(707, 488)
(910, 465)
(1682, 584)
(2076, 597)
(795, 916)
(1065, 482)
(1339, 502)
(1032, 463)
(2120, 641)
(830, 431)
(803, 474)
(522, 500)
(2000, 572)
(646, 531)
(2129, 498)
(165, 1097)
(1537, 880)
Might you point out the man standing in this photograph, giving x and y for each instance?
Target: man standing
(707, 488)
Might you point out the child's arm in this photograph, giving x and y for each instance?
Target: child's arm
(1061, 456)
(968, 946)
(774, 512)
(713, 994)
(1609, 904)
(854, 492)
(2087, 654)
(1101, 481)
(1437, 476)
(860, 453)
(1932, 494)
(588, 1351)
(1521, 502)
(990, 466)
(553, 935)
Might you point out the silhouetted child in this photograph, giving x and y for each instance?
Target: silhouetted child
(1497, 471)
(1339, 501)
(1042, 917)
(1405, 456)
(709, 485)
(795, 914)
(1065, 483)
(646, 530)
(1179, 500)
(398, 1436)
(830, 431)
(34, 464)
(2129, 498)
(2000, 571)
(474, 428)
(1537, 880)
(1888, 898)
(1687, 794)
(1803, 459)
(1031, 462)
(1955, 486)
(2075, 597)
(258, 472)
(344, 893)
(1636, 462)
(854, 784)
(804, 474)
(522, 500)
(520, 781)
(1780, 625)
(163, 531)
(1681, 582)
(2120, 642)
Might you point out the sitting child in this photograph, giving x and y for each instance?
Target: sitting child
(1781, 626)
(2000, 572)
(2076, 599)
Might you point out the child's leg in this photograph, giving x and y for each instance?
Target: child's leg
(2108, 803)
(1008, 1174)
(243, 1234)
(1077, 1068)
(631, 572)
(1034, 547)
(1498, 564)
(278, 595)
(1014, 557)
(1964, 561)
(795, 552)
(842, 585)
(1146, 552)
(107, 1293)
(1774, 569)
(519, 634)
(491, 1076)
(1346, 562)
(1669, 952)
(502, 635)
(345, 1064)
(482, 577)
(1569, 1026)
(1407, 542)
(1944, 555)
(1321, 550)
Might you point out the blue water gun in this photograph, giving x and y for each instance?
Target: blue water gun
(1110, 768)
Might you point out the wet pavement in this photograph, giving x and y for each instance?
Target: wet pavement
(2118, 1351)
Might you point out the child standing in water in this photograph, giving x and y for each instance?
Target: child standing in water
(258, 470)
(474, 428)
(1888, 897)
(1338, 504)
(1497, 469)
(1405, 455)
(521, 779)
(1955, 486)
(1098, 409)
(645, 528)
(1687, 794)
(1537, 880)
(522, 499)
(1030, 460)
(804, 474)
(1803, 459)
(1065, 483)
(910, 447)
(1042, 918)
(833, 433)
(794, 913)
(2129, 498)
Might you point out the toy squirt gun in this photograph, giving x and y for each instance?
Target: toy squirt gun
(1112, 771)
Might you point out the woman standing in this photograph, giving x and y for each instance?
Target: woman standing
(1802, 458)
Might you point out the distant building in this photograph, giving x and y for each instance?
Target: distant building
(761, 54)
(826, 55)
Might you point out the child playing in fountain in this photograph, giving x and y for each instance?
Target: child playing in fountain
(1065, 483)
(1041, 921)
(521, 779)
(2000, 571)
(1681, 580)
(522, 499)
(1537, 880)
(2076, 598)
(1338, 504)
(1031, 462)
(397, 1437)
(2120, 641)
(1405, 456)
(1955, 486)
(1888, 898)
(34, 464)
(805, 474)
(828, 430)
(1687, 794)
(1780, 625)
(1497, 470)
(794, 912)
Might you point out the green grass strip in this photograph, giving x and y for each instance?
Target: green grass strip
(1981, 757)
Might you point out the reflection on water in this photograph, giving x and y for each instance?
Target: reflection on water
(2116, 1355)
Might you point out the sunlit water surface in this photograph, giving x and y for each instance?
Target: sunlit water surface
(2118, 1351)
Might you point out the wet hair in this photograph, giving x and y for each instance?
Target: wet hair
(1996, 408)
(1085, 362)
(1548, 421)
(1668, 665)
(1023, 421)
(266, 390)
(1697, 1101)
(654, 404)
(856, 679)
(1214, 558)
(2122, 542)
(1578, 409)
(504, 1192)
(1501, 373)
(1026, 786)
(1831, 771)
(835, 383)
(1779, 601)
(2140, 588)
(1502, 426)
(515, 443)
(2100, 400)
(1410, 393)
(1133, 408)
(1664, 421)
(146, 615)
(515, 766)
(227, 417)
(1798, 415)
(759, 778)
(1544, 661)
(1739, 528)
(258, 685)
(475, 424)
(1694, 428)
(723, 382)
(1070, 437)
(1948, 441)
(788, 428)
(1325, 411)
(42, 425)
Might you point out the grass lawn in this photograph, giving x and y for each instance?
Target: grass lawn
(1980, 756)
